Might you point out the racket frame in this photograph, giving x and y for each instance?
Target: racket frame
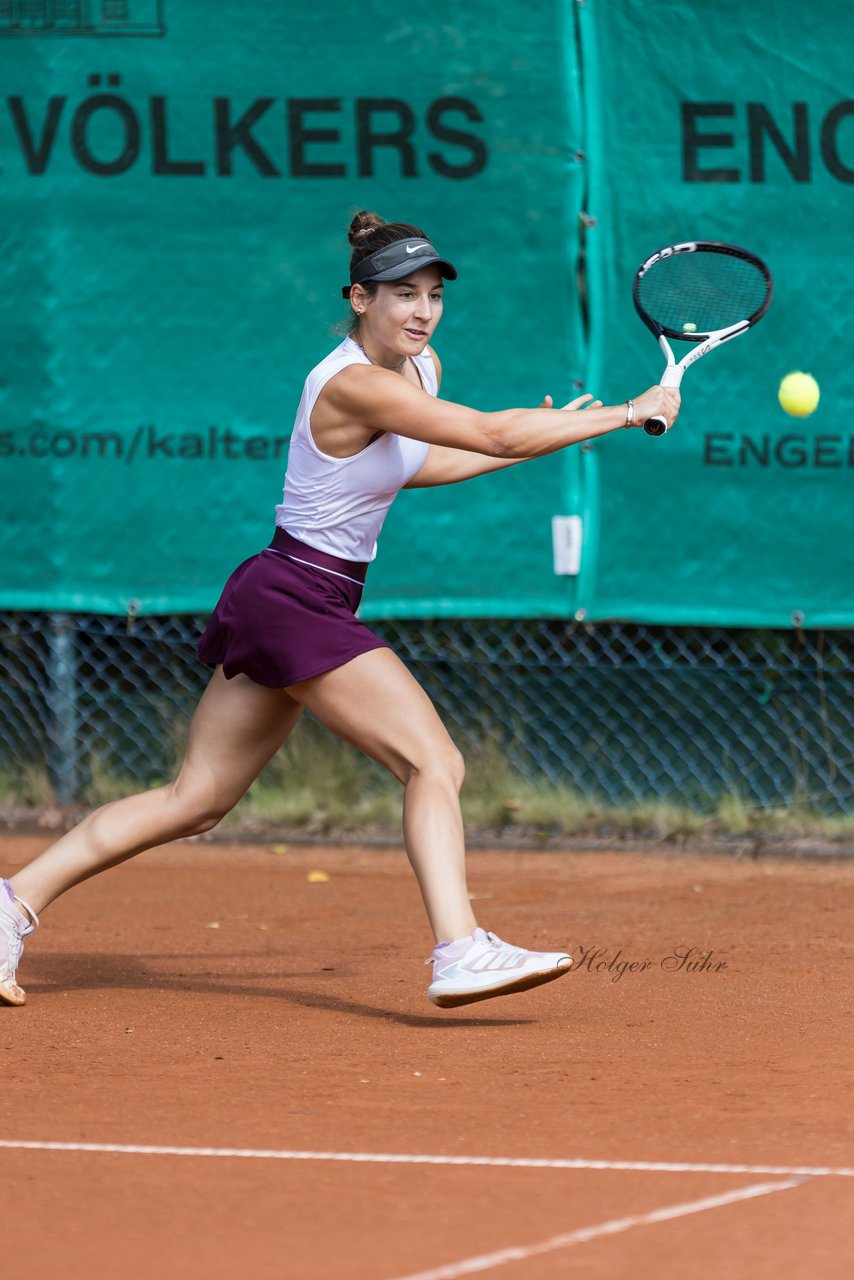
(705, 342)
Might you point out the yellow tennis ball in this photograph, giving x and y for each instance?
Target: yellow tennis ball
(799, 394)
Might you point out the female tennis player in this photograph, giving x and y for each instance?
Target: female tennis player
(284, 635)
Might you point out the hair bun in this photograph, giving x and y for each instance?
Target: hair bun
(363, 225)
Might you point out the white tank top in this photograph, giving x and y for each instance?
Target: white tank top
(338, 505)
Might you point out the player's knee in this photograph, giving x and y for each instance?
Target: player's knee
(197, 812)
(444, 762)
(200, 823)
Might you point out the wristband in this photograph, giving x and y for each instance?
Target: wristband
(630, 413)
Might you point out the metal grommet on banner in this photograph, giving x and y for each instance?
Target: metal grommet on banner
(133, 608)
(798, 618)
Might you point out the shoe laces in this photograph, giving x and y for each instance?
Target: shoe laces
(491, 938)
(31, 920)
(16, 946)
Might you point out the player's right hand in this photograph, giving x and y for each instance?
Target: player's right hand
(657, 402)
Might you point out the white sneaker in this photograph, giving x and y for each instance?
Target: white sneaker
(14, 927)
(482, 966)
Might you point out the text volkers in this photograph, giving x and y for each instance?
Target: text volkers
(107, 135)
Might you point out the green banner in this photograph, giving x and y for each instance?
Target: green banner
(178, 182)
(730, 124)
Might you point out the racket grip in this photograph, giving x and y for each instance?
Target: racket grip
(655, 427)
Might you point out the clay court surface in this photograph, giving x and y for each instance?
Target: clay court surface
(283, 1102)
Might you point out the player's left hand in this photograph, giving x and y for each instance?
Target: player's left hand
(580, 402)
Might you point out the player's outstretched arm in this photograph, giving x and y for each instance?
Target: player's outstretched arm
(450, 466)
(382, 401)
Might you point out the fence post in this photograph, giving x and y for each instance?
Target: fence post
(63, 711)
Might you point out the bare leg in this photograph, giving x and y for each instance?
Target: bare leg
(238, 726)
(374, 703)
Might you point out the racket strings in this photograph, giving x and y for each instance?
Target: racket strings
(696, 293)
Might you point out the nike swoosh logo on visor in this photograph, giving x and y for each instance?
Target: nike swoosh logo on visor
(413, 248)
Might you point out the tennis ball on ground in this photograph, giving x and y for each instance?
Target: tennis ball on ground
(799, 394)
(317, 877)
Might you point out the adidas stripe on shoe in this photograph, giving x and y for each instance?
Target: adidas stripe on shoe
(482, 966)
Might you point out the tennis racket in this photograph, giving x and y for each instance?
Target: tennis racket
(700, 292)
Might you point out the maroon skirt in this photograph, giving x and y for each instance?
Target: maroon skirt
(287, 614)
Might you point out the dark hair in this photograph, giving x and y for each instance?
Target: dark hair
(369, 232)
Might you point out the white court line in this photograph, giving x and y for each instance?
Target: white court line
(371, 1157)
(486, 1261)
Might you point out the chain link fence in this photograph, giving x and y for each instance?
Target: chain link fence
(620, 713)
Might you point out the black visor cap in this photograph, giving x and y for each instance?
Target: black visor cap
(397, 260)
